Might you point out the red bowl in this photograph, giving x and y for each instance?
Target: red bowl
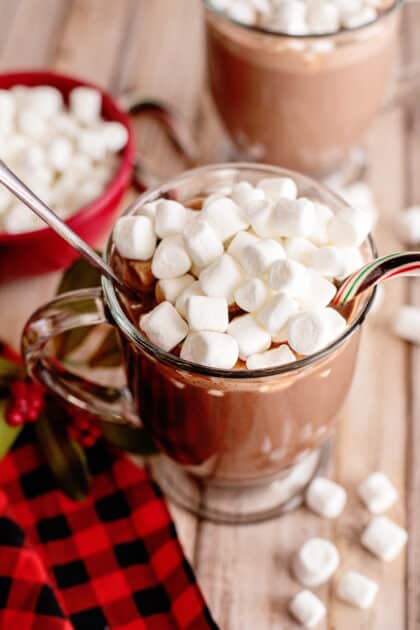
(41, 251)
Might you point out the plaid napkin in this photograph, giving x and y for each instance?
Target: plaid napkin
(112, 561)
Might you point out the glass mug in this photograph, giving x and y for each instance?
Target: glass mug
(302, 102)
(236, 445)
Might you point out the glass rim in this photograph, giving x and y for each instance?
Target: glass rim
(265, 31)
(133, 334)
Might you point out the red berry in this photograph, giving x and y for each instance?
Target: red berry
(32, 414)
(19, 389)
(21, 404)
(14, 418)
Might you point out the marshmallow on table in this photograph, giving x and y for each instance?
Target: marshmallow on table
(244, 193)
(277, 312)
(239, 242)
(325, 497)
(288, 276)
(171, 288)
(356, 589)
(170, 259)
(258, 257)
(407, 323)
(384, 538)
(224, 216)
(251, 295)
(315, 562)
(310, 331)
(307, 609)
(134, 237)
(408, 225)
(170, 218)
(377, 493)
(202, 242)
(207, 313)
(212, 349)
(85, 104)
(183, 297)
(250, 336)
(221, 278)
(294, 217)
(164, 326)
(318, 292)
(271, 358)
(349, 227)
(300, 249)
(276, 188)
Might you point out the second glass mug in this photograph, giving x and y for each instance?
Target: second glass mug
(236, 445)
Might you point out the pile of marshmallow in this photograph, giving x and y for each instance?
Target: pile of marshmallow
(67, 155)
(301, 17)
(250, 275)
(318, 559)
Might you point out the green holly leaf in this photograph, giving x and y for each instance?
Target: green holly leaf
(9, 372)
(132, 439)
(65, 457)
(8, 434)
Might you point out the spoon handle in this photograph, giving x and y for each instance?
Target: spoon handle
(22, 192)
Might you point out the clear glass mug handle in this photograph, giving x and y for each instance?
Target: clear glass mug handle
(68, 311)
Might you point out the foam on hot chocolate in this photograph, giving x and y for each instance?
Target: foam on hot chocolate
(222, 281)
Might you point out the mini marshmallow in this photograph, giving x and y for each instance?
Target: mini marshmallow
(59, 153)
(277, 312)
(202, 243)
(149, 210)
(384, 538)
(243, 193)
(115, 136)
(408, 225)
(207, 313)
(322, 16)
(45, 100)
(19, 218)
(170, 218)
(276, 188)
(290, 18)
(31, 125)
(318, 292)
(225, 217)
(170, 259)
(251, 295)
(182, 299)
(242, 13)
(212, 349)
(258, 257)
(349, 227)
(311, 331)
(294, 217)
(221, 278)
(260, 215)
(307, 609)
(356, 589)
(171, 288)
(239, 242)
(134, 237)
(329, 261)
(300, 249)
(250, 336)
(164, 326)
(325, 497)
(65, 125)
(352, 260)
(407, 323)
(377, 493)
(91, 143)
(7, 111)
(323, 216)
(85, 104)
(272, 358)
(359, 18)
(315, 562)
(288, 276)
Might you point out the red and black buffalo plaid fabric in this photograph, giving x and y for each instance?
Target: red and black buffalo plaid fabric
(112, 561)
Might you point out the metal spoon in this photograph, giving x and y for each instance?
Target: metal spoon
(22, 192)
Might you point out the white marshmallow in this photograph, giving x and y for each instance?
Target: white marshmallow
(212, 349)
(19, 218)
(164, 326)
(359, 194)
(408, 225)
(65, 125)
(377, 493)
(221, 278)
(289, 17)
(318, 292)
(115, 136)
(349, 227)
(85, 104)
(239, 242)
(243, 193)
(31, 125)
(171, 288)
(251, 295)
(311, 331)
(294, 217)
(91, 143)
(242, 13)
(300, 249)
(134, 237)
(202, 243)
(352, 260)
(6, 199)
(250, 336)
(7, 111)
(276, 188)
(323, 216)
(45, 100)
(384, 538)
(407, 323)
(170, 259)
(260, 215)
(272, 358)
(356, 589)
(307, 609)
(315, 562)
(322, 16)
(207, 313)
(258, 257)
(359, 18)
(182, 299)
(59, 153)
(325, 497)
(149, 210)
(329, 261)
(170, 218)
(225, 217)
(288, 276)
(220, 5)
(277, 312)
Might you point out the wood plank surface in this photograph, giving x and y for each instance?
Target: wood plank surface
(155, 49)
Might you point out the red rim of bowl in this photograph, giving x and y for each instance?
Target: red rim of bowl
(32, 79)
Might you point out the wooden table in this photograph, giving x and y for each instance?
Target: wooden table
(155, 47)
